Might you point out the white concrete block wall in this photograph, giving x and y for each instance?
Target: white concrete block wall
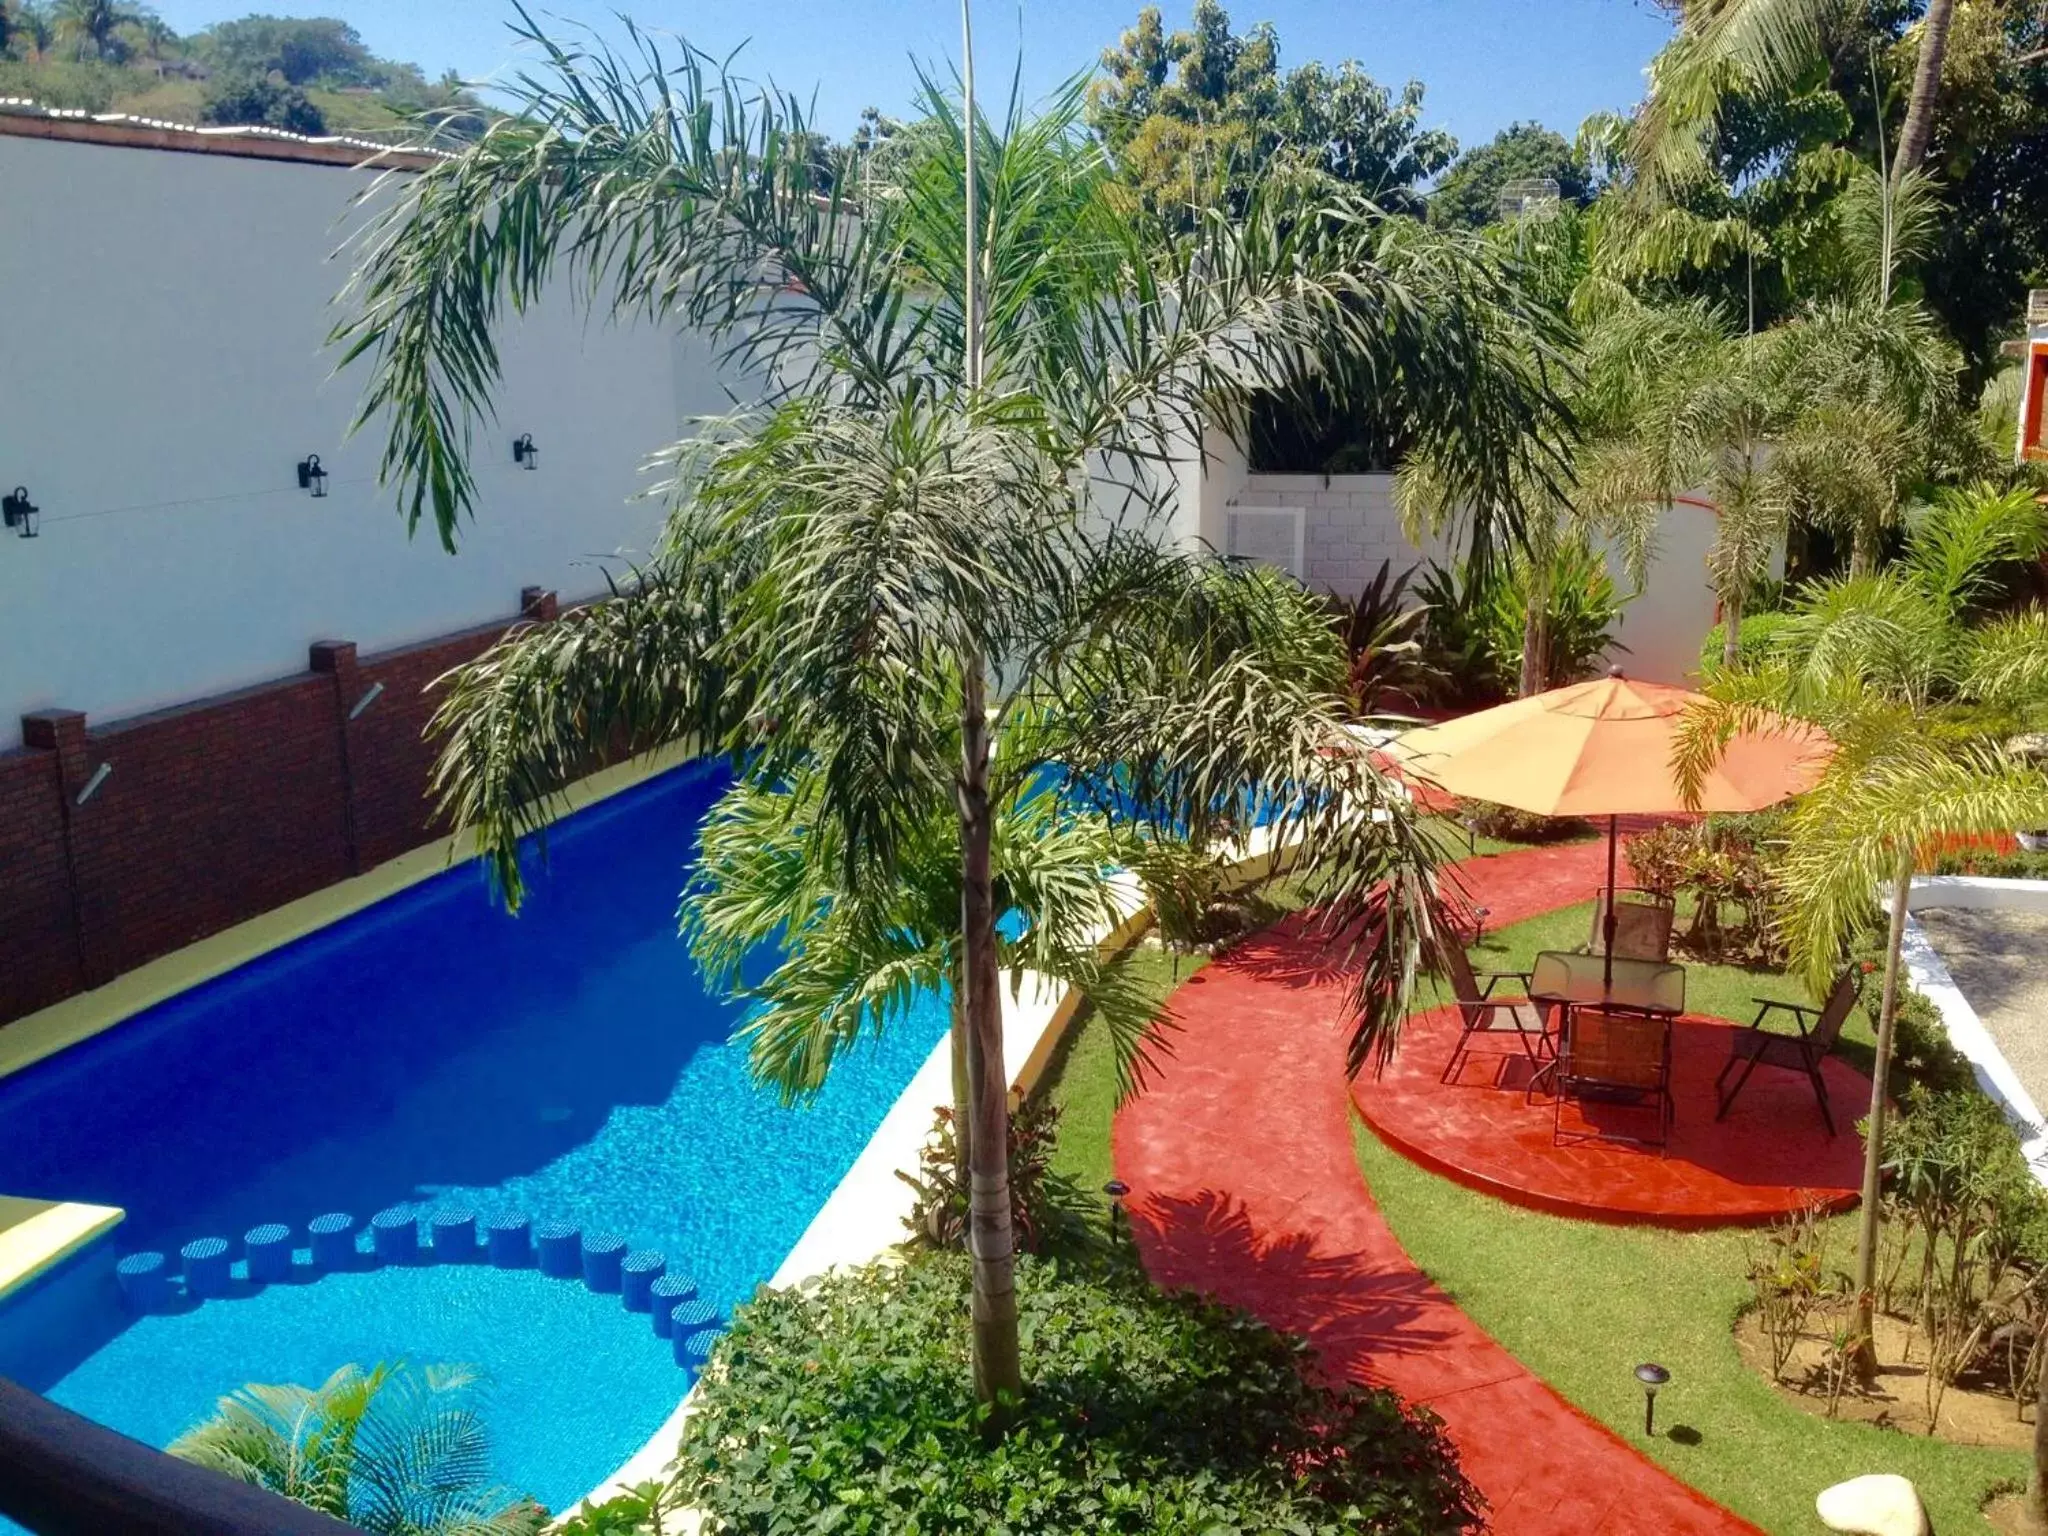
(163, 368)
(1351, 526)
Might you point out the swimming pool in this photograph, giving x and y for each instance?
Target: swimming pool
(432, 1050)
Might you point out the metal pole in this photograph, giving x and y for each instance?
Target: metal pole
(1607, 923)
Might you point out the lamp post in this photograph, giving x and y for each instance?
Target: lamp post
(1652, 1376)
(1119, 1219)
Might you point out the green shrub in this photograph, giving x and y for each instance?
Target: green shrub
(1515, 826)
(1456, 641)
(846, 1406)
(1580, 611)
(1758, 631)
(260, 101)
(1184, 882)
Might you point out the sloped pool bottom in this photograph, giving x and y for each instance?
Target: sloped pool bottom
(565, 1065)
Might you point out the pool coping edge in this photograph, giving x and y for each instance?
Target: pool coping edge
(35, 1242)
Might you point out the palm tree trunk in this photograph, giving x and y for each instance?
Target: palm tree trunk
(1873, 1141)
(2035, 1508)
(1731, 625)
(1535, 648)
(963, 1106)
(998, 1372)
(1919, 129)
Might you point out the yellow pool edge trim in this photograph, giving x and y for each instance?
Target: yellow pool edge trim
(39, 1035)
(37, 1235)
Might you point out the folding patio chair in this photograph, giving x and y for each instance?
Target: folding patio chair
(1642, 924)
(1803, 1052)
(1482, 1012)
(1613, 1055)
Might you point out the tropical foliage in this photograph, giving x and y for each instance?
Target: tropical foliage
(395, 1450)
(877, 591)
(842, 1405)
(1200, 116)
(304, 74)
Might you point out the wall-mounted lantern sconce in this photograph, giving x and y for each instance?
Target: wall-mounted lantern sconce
(92, 785)
(22, 515)
(523, 451)
(311, 476)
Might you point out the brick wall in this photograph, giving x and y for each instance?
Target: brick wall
(211, 813)
(39, 960)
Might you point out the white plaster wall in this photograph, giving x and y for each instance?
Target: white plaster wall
(162, 369)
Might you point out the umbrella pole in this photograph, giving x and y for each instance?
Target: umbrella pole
(1607, 920)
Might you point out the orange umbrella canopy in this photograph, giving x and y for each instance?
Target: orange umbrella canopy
(1603, 749)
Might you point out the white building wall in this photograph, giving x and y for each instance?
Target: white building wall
(163, 369)
(1350, 526)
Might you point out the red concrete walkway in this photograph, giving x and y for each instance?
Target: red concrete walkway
(1244, 1185)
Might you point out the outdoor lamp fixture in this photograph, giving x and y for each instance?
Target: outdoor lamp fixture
(22, 514)
(523, 451)
(311, 476)
(1116, 1189)
(1652, 1376)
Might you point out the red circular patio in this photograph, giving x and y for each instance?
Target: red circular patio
(1772, 1154)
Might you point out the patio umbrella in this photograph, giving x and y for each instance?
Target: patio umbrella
(1603, 749)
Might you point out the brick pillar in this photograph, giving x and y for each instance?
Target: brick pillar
(539, 605)
(337, 658)
(61, 732)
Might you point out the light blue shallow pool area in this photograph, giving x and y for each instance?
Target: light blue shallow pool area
(433, 1052)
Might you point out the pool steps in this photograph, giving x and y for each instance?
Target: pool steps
(641, 1279)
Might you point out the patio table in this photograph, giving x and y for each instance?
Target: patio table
(1654, 987)
(1567, 979)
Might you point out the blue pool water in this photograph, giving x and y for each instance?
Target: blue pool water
(564, 1064)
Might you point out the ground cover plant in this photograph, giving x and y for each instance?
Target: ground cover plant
(845, 1405)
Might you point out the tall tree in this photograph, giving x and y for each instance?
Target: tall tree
(1470, 191)
(1193, 113)
(875, 580)
(93, 27)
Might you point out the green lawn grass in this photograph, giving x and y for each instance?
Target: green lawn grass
(1082, 1077)
(1581, 1304)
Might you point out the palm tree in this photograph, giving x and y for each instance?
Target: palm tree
(850, 959)
(884, 569)
(1881, 662)
(395, 1450)
(1764, 49)
(1554, 523)
(93, 27)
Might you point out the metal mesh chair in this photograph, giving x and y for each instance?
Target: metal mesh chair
(1803, 1052)
(1642, 924)
(1614, 1055)
(1481, 1012)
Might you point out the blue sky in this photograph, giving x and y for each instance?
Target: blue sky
(1486, 63)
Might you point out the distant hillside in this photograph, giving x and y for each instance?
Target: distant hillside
(309, 75)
